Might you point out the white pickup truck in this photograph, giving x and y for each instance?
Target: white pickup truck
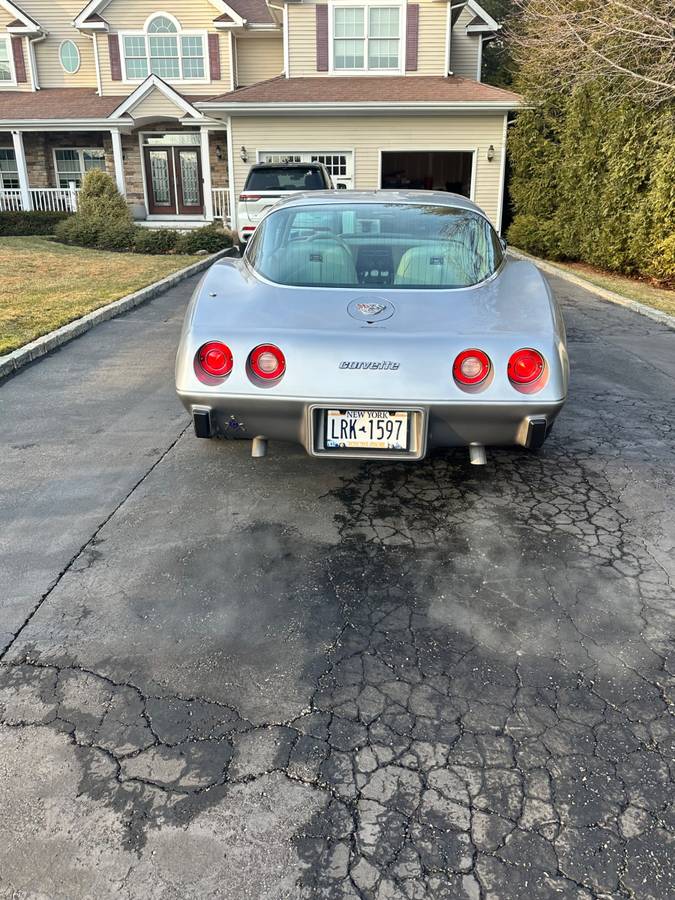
(269, 182)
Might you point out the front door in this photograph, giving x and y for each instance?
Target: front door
(173, 177)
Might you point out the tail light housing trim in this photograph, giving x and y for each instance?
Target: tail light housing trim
(471, 367)
(526, 366)
(215, 359)
(267, 362)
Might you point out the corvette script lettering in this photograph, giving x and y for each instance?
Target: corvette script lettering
(384, 365)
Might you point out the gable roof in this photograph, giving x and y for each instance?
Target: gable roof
(482, 20)
(335, 93)
(255, 12)
(23, 22)
(96, 6)
(151, 84)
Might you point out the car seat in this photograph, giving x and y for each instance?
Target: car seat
(321, 261)
(433, 264)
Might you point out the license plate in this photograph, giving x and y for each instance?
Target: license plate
(369, 429)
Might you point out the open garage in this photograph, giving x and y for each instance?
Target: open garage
(428, 169)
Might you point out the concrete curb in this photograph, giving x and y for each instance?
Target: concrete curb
(640, 308)
(15, 360)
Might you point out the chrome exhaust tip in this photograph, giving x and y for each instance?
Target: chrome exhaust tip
(259, 447)
(477, 455)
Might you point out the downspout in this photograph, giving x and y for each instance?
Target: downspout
(99, 85)
(34, 78)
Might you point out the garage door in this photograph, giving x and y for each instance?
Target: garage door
(340, 163)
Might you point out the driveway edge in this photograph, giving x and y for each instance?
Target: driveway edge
(641, 308)
(41, 346)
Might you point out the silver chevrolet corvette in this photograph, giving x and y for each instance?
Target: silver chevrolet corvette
(375, 325)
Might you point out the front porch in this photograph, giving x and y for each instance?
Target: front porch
(170, 175)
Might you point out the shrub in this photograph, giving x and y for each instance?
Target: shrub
(99, 199)
(210, 238)
(76, 230)
(118, 235)
(159, 240)
(28, 223)
(661, 264)
(592, 178)
(532, 234)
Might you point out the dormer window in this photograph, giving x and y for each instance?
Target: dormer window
(163, 48)
(366, 37)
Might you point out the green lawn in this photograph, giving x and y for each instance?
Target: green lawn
(45, 284)
(632, 288)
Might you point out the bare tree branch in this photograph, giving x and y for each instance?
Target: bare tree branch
(576, 41)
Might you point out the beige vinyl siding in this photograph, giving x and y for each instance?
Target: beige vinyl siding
(56, 18)
(464, 48)
(433, 26)
(366, 136)
(131, 15)
(302, 40)
(259, 58)
(156, 105)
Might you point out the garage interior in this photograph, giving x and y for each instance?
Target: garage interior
(428, 170)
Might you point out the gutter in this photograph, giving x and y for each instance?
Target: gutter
(338, 107)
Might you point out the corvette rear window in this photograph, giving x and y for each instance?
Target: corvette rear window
(397, 245)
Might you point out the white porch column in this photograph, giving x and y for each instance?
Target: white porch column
(118, 160)
(206, 174)
(22, 169)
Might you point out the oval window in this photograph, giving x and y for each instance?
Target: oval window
(70, 57)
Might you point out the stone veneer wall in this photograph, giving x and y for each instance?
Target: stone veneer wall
(42, 173)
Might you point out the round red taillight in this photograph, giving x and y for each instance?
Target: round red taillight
(215, 358)
(268, 362)
(526, 366)
(471, 367)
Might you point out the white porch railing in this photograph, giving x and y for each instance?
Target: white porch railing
(10, 200)
(221, 203)
(42, 199)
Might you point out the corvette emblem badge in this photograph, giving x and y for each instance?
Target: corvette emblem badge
(371, 310)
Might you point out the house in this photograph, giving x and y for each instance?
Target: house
(176, 99)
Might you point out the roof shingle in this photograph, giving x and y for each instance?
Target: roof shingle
(254, 11)
(395, 89)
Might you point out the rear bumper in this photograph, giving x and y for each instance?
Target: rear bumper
(298, 420)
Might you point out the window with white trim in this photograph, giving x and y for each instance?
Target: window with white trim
(367, 38)
(163, 49)
(69, 56)
(72, 163)
(9, 173)
(6, 72)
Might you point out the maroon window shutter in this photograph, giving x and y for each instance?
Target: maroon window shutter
(412, 27)
(214, 56)
(19, 61)
(321, 37)
(115, 64)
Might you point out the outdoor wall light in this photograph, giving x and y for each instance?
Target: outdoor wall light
(219, 153)
(243, 155)
(491, 153)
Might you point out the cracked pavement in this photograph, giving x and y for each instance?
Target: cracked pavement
(293, 678)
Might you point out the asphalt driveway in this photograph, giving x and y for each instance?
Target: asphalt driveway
(290, 678)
